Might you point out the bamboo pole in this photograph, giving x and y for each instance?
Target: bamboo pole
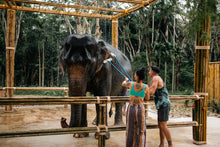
(38, 88)
(200, 85)
(10, 54)
(47, 11)
(102, 124)
(115, 33)
(62, 5)
(74, 100)
(86, 130)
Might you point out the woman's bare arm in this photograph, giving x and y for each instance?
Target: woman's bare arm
(126, 83)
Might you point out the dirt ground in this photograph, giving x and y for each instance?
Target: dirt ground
(48, 117)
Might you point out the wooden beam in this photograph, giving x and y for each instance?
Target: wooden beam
(86, 130)
(139, 5)
(31, 100)
(61, 5)
(38, 88)
(128, 1)
(8, 3)
(27, 9)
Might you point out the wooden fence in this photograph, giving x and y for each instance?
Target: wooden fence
(65, 89)
(101, 100)
(214, 81)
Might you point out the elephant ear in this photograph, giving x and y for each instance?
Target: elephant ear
(102, 54)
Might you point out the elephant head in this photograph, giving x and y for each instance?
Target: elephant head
(82, 56)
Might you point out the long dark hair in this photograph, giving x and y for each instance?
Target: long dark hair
(140, 73)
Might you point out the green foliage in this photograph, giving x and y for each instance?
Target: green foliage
(185, 92)
(41, 93)
(49, 31)
(198, 11)
(140, 61)
(218, 108)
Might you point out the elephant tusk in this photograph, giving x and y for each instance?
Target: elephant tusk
(112, 54)
(107, 60)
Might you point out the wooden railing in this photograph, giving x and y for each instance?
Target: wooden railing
(101, 100)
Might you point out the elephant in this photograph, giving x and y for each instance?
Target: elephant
(83, 57)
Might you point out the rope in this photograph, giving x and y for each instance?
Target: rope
(116, 68)
(123, 69)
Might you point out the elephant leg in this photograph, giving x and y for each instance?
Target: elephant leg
(84, 116)
(118, 114)
(76, 113)
(83, 121)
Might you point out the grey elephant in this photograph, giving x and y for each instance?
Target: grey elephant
(82, 56)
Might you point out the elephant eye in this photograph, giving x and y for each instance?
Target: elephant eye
(91, 49)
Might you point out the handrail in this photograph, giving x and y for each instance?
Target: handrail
(76, 100)
(86, 130)
(37, 88)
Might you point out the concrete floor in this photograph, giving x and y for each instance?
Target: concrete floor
(34, 118)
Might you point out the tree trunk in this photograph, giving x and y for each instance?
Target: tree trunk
(4, 25)
(173, 77)
(79, 26)
(173, 71)
(39, 65)
(152, 27)
(165, 74)
(18, 29)
(43, 67)
(51, 79)
(178, 75)
(69, 25)
(87, 26)
(97, 30)
(58, 69)
(17, 26)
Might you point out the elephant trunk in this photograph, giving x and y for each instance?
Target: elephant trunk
(77, 87)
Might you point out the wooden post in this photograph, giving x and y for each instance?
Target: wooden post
(115, 33)
(10, 54)
(102, 124)
(200, 83)
(146, 109)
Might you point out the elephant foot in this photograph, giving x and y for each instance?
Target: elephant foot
(107, 135)
(80, 135)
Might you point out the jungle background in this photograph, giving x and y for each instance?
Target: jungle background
(162, 34)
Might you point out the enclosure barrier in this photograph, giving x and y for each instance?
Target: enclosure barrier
(86, 130)
(65, 89)
(101, 100)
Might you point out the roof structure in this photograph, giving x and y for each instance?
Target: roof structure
(104, 9)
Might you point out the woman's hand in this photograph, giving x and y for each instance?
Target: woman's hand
(126, 83)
